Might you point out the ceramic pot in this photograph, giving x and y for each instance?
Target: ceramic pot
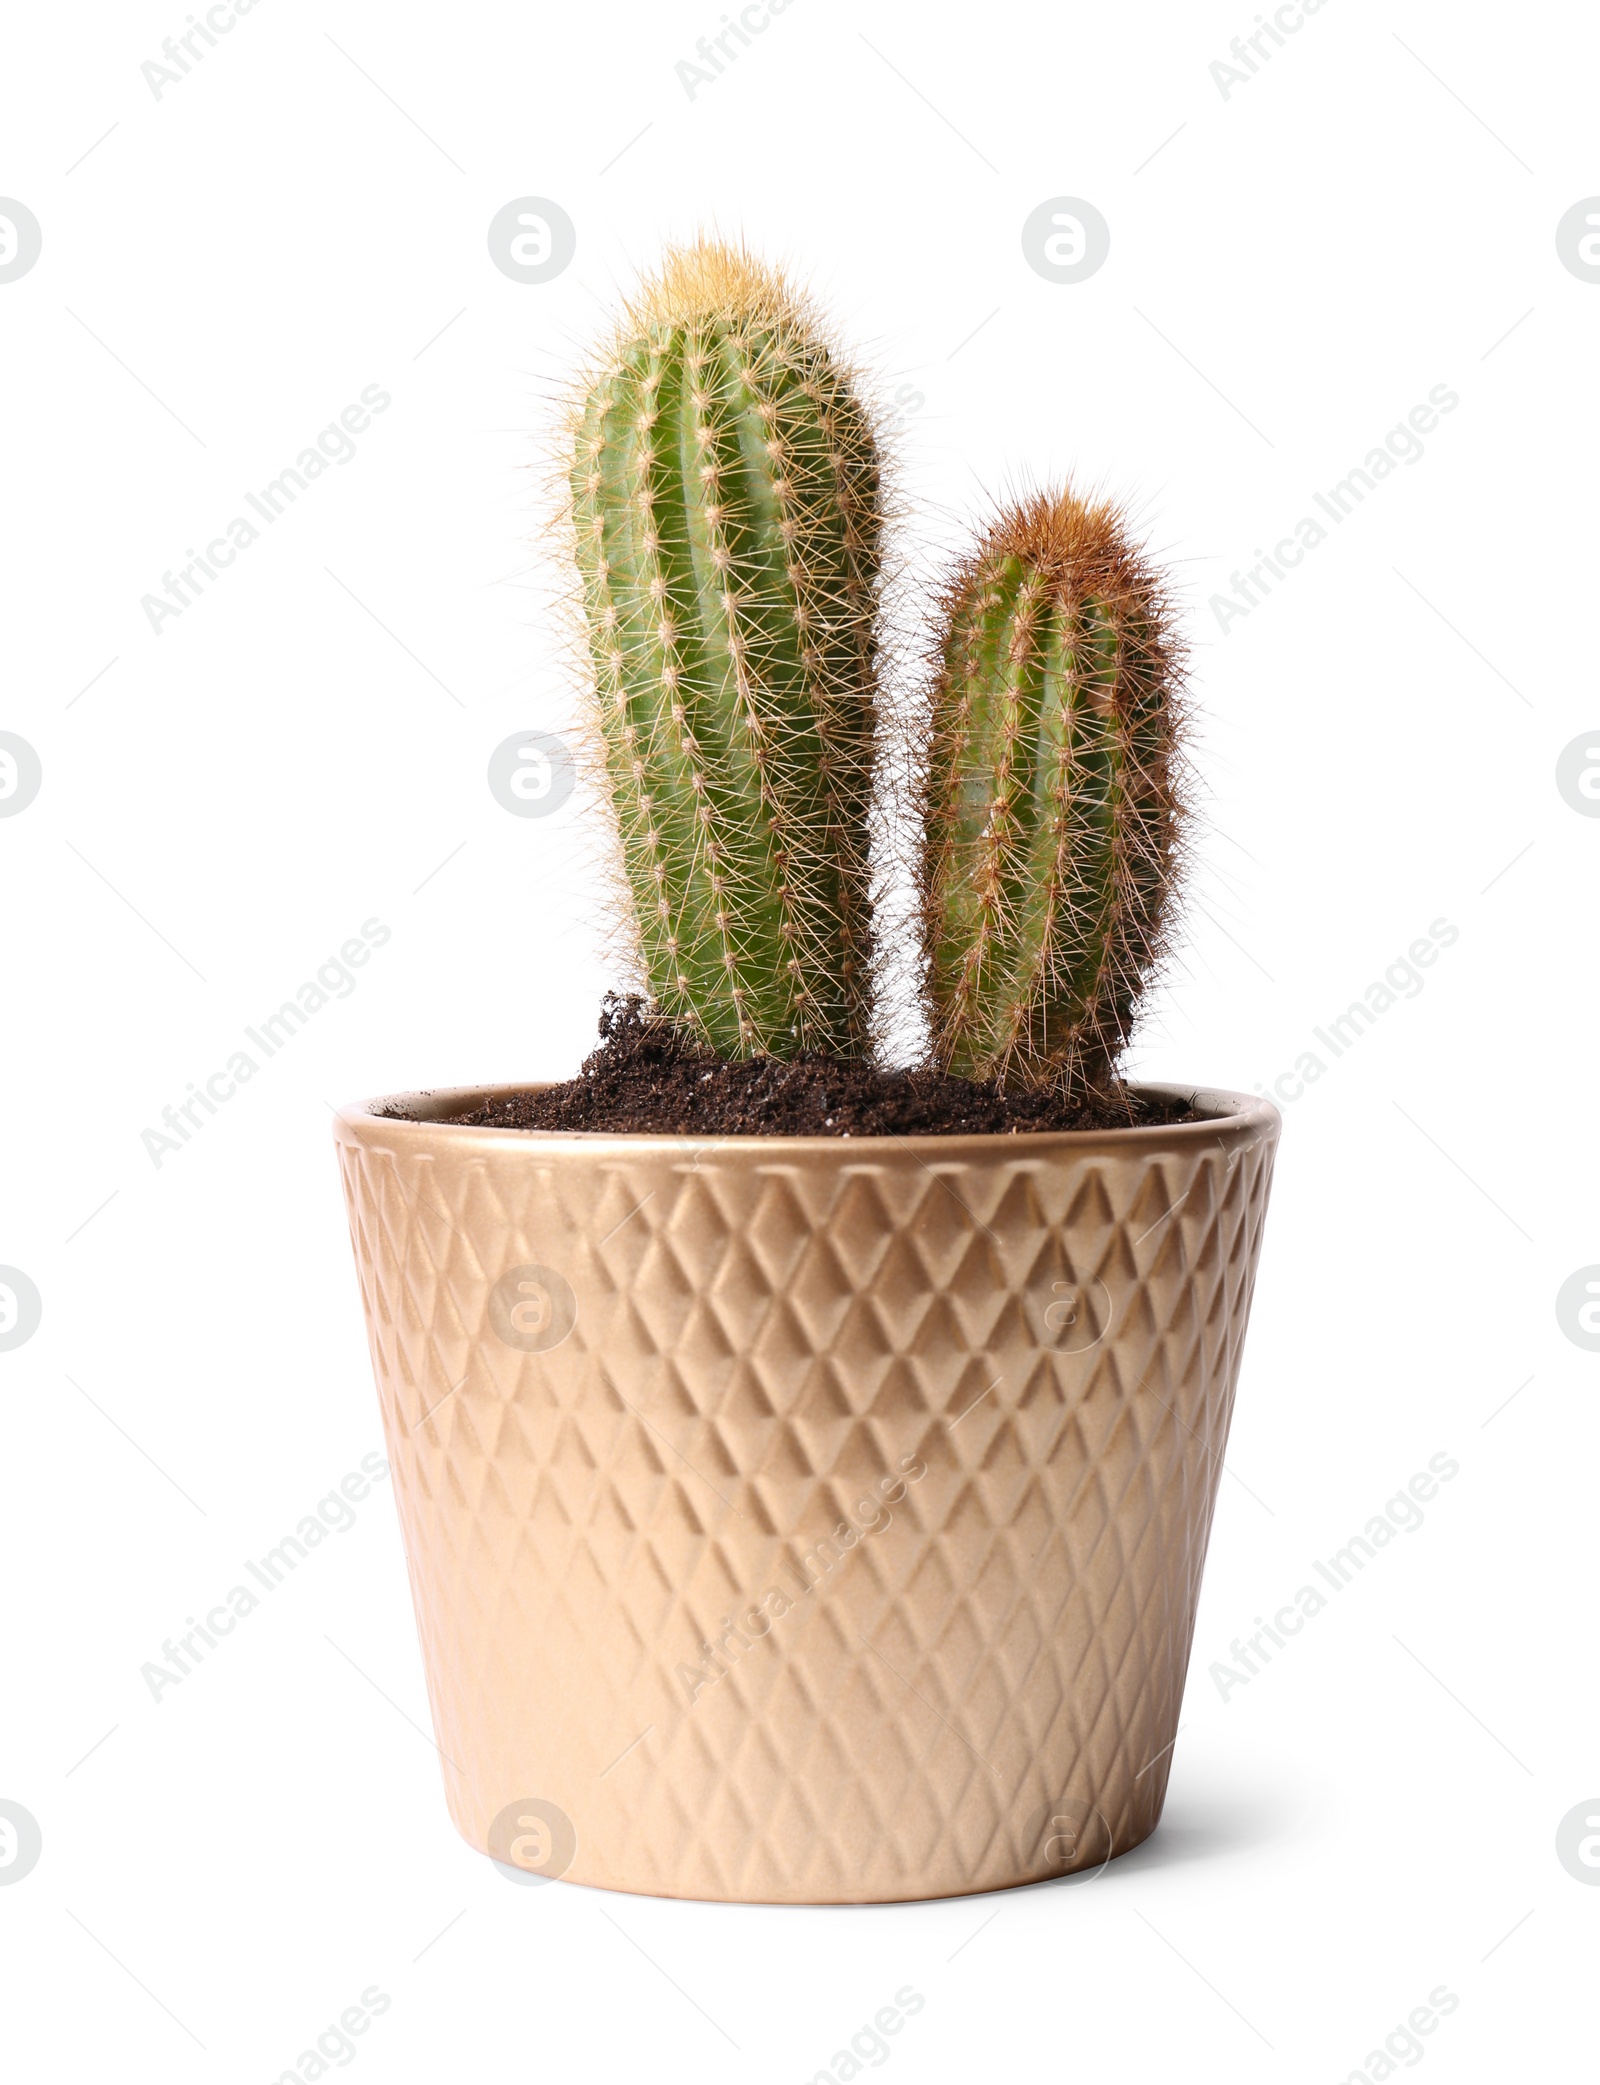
(805, 1520)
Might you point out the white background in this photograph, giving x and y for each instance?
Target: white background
(1293, 266)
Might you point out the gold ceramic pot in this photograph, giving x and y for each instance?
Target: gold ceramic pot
(805, 1520)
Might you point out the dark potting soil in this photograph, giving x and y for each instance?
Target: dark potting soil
(647, 1079)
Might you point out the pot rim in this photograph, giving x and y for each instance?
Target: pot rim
(1234, 1114)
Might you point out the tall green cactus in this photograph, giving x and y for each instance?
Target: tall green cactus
(1051, 802)
(725, 494)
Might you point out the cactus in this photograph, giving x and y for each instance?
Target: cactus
(1051, 798)
(725, 497)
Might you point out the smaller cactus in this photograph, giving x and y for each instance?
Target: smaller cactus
(1051, 797)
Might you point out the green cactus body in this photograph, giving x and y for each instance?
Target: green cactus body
(1050, 805)
(724, 488)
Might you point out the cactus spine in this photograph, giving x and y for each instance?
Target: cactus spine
(1051, 799)
(725, 494)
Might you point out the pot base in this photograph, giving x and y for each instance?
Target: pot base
(1088, 1870)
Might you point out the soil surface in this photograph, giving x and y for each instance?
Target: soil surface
(647, 1079)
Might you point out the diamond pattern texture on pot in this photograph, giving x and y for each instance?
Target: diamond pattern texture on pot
(847, 1545)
